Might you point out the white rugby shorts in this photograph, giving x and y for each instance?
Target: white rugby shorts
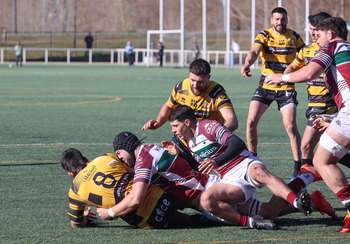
(239, 176)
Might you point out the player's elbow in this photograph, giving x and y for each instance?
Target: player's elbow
(134, 204)
(76, 225)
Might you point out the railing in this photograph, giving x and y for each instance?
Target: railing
(118, 56)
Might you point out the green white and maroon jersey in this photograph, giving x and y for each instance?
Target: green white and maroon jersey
(208, 142)
(170, 172)
(334, 58)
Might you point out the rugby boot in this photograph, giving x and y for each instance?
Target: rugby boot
(346, 221)
(310, 169)
(258, 222)
(322, 205)
(303, 203)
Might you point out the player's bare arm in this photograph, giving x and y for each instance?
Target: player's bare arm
(291, 68)
(250, 60)
(309, 72)
(128, 204)
(88, 216)
(231, 121)
(162, 118)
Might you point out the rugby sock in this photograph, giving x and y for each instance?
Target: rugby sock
(345, 160)
(291, 197)
(297, 185)
(307, 161)
(297, 165)
(243, 220)
(344, 194)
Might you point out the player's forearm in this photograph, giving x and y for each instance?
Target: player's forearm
(163, 114)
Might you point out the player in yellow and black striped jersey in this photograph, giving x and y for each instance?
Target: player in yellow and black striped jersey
(208, 98)
(205, 106)
(277, 47)
(104, 182)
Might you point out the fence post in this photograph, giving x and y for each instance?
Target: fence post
(68, 56)
(112, 56)
(233, 59)
(46, 56)
(24, 56)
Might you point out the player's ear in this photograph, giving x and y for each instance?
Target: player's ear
(71, 174)
(187, 122)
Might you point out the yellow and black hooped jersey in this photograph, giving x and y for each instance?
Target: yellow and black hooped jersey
(277, 52)
(104, 182)
(318, 94)
(205, 106)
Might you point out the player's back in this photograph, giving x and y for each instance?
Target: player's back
(103, 182)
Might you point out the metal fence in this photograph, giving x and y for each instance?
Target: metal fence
(116, 56)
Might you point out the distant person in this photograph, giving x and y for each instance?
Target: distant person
(18, 52)
(196, 51)
(235, 47)
(88, 40)
(160, 53)
(129, 49)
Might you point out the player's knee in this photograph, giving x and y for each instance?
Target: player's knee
(251, 124)
(208, 203)
(305, 148)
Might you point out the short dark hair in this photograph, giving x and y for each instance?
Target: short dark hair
(314, 19)
(279, 10)
(200, 67)
(181, 113)
(335, 24)
(72, 160)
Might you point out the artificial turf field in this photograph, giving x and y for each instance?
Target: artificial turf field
(45, 109)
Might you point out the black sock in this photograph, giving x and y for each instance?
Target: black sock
(307, 161)
(297, 165)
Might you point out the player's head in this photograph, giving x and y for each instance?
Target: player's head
(330, 29)
(314, 20)
(199, 76)
(182, 119)
(73, 161)
(279, 20)
(126, 142)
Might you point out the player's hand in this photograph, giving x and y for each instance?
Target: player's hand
(207, 166)
(152, 125)
(103, 212)
(245, 71)
(170, 147)
(274, 79)
(89, 216)
(320, 124)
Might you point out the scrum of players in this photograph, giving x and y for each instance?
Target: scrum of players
(148, 185)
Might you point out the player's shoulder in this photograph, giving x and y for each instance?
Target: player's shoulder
(208, 126)
(214, 89)
(181, 85)
(290, 32)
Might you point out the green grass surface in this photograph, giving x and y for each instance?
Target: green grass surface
(45, 109)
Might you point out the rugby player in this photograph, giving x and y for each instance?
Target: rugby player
(208, 99)
(104, 182)
(277, 47)
(332, 59)
(155, 165)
